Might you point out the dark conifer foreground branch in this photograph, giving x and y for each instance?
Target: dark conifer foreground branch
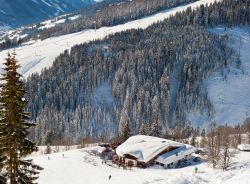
(14, 144)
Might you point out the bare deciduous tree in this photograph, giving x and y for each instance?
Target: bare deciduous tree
(226, 153)
(213, 145)
(218, 143)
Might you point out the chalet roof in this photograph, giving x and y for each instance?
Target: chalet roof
(175, 155)
(145, 148)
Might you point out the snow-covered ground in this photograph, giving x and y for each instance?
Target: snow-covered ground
(79, 166)
(230, 95)
(40, 54)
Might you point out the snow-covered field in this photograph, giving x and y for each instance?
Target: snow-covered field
(36, 55)
(78, 167)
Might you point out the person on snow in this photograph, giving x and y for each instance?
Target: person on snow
(109, 176)
(196, 169)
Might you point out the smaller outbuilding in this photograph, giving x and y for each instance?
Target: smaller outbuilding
(244, 147)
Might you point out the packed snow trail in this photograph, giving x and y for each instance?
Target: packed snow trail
(36, 55)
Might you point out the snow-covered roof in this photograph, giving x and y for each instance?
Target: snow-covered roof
(244, 147)
(145, 148)
(175, 155)
(97, 149)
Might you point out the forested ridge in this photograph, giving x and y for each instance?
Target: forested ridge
(153, 77)
(106, 13)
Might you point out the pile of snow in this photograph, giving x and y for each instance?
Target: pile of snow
(244, 147)
(34, 57)
(144, 148)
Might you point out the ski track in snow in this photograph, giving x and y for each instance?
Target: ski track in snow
(52, 47)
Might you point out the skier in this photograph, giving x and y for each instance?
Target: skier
(109, 176)
(196, 169)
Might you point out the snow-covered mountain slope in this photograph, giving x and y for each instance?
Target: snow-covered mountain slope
(36, 55)
(230, 93)
(16, 12)
(78, 166)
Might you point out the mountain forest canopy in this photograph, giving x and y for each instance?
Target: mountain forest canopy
(136, 80)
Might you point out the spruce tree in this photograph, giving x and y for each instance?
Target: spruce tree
(155, 129)
(14, 144)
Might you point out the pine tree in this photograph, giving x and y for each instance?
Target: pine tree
(14, 144)
(124, 129)
(2, 173)
(155, 127)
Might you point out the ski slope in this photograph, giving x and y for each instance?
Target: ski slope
(36, 55)
(230, 95)
(78, 167)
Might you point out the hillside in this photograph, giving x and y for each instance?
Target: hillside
(78, 167)
(102, 14)
(125, 91)
(229, 90)
(17, 13)
(35, 55)
(149, 74)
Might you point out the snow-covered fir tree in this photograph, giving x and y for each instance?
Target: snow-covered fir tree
(14, 128)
